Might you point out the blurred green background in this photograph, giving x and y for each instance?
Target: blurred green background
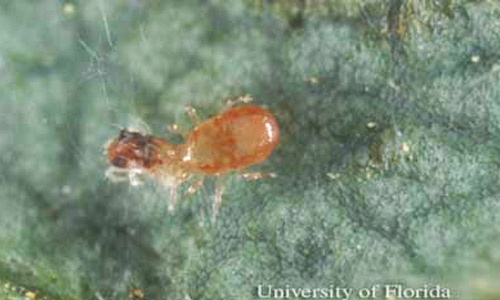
(388, 169)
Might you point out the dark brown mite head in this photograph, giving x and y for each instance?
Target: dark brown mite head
(132, 150)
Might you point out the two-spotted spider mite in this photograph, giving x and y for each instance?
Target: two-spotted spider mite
(239, 137)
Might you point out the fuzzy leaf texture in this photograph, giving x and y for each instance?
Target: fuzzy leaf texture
(387, 172)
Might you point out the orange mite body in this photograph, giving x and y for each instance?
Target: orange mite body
(238, 138)
(234, 140)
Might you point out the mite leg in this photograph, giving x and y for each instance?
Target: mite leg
(202, 216)
(134, 177)
(193, 116)
(117, 174)
(172, 201)
(228, 103)
(217, 199)
(202, 212)
(256, 175)
(191, 112)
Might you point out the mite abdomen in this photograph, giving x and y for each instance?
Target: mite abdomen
(238, 138)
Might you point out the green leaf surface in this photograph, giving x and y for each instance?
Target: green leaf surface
(387, 170)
